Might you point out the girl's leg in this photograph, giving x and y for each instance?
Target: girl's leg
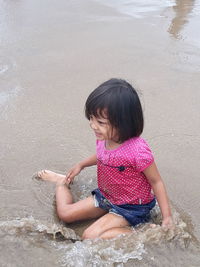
(113, 232)
(66, 209)
(108, 226)
(81, 210)
(50, 176)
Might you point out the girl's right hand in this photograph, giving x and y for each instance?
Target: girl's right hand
(168, 223)
(75, 170)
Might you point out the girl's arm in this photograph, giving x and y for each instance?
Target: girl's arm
(153, 176)
(76, 169)
(92, 160)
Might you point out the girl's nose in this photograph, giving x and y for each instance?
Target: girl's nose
(93, 125)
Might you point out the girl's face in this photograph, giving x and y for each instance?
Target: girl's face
(103, 129)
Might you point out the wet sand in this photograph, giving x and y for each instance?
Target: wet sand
(52, 56)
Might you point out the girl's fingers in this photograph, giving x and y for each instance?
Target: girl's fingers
(70, 179)
(168, 226)
(68, 174)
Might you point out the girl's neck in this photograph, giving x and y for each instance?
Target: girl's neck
(110, 144)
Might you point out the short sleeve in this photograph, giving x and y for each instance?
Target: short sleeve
(144, 157)
(99, 144)
(99, 147)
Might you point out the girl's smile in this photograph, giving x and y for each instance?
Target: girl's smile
(98, 135)
(102, 128)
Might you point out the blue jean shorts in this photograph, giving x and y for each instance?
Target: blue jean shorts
(134, 214)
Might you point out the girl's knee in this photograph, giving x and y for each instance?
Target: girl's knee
(65, 214)
(90, 234)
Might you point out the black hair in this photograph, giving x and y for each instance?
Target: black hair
(120, 102)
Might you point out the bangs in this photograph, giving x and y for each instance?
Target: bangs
(97, 106)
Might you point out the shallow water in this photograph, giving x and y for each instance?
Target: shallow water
(52, 55)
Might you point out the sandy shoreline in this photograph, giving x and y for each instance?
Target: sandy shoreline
(56, 58)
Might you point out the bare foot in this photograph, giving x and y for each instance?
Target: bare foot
(51, 176)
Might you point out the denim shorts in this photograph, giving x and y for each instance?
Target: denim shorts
(134, 214)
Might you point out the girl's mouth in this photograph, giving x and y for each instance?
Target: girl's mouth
(97, 134)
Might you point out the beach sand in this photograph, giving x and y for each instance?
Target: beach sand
(53, 54)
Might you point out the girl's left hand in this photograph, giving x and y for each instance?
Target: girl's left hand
(167, 223)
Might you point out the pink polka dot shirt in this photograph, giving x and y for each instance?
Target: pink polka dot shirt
(120, 172)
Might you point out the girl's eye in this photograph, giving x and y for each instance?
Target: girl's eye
(101, 122)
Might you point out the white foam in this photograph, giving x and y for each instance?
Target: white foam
(3, 69)
(100, 252)
(5, 96)
(31, 225)
(136, 8)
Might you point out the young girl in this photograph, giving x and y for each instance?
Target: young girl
(128, 179)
